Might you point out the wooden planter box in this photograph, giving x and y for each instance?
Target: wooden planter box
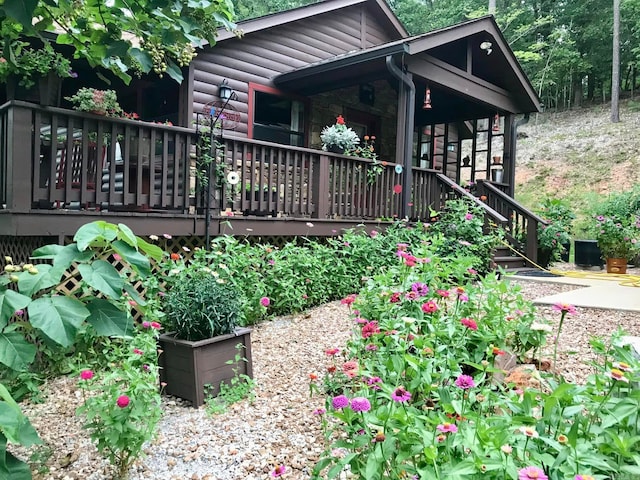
(186, 367)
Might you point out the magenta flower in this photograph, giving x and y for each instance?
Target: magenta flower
(265, 302)
(420, 288)
(468, 216)
(465, 382)
(19, 313)
(400, 395)
(532, 473)
(155, 325)
(146, 324)
(371, 347)
(340, 402)
(278, 471)
(429, 307)
(332, 351)
(319, 411)
(584, 477)
(137, 351)
(123, 401)
(360, 404)
(469, 323)
(86, 374)
(374, 382)
(447, 428)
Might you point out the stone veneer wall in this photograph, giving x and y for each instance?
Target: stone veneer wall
(325, 107)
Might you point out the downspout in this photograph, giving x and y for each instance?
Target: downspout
(514, 138)
(410, 97)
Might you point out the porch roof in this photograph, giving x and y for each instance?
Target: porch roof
(449, 60)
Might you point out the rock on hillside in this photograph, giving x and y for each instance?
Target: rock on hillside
(578, 153)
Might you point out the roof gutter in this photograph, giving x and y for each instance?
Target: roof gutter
(409, 90)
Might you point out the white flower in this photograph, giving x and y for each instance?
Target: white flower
(153, 237)
(541, 327)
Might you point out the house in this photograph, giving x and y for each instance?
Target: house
(443, 106)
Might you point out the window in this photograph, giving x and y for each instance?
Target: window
(277, 118)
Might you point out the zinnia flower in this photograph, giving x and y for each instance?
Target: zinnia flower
(429, 307)
(469, 323)
(123, 401)
(360, 404)
(86, 374)
(332, 351)
(155, 325)
(137, 351)
(340, 402)
(529, 432)
(175, 256)
(369, 329)
(565, 308)
(319, 411)
(400, 395)
(278, 471)
(618, 375)
(265, 302)
(465, 382)
(532, 473)
(447, 428)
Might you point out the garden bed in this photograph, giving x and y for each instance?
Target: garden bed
(279, 428)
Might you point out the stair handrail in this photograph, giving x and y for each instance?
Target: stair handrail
(494, 215)
(533, 220)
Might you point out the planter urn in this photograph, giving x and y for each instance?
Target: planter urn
(617, 265)
(186, 366)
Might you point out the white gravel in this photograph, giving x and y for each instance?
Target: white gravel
(247, 441)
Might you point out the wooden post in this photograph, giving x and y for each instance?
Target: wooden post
(532, 240)
(20, 159)
(320, 186)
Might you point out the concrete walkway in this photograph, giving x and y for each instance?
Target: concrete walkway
(600, 290)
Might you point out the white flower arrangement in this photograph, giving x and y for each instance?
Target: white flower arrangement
(339, 137)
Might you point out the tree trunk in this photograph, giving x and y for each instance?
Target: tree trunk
(615, 74)
(492, 7)
(577, 92)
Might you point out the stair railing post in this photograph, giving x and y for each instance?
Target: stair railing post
(20, 159)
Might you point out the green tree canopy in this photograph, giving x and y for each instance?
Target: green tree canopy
(119, 35)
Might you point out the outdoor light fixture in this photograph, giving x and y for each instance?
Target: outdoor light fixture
(496, 123)
(224, 90)
(427, 99)
(486, 46)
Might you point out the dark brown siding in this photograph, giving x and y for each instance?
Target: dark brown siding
(260, 56)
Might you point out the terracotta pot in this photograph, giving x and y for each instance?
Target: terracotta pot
(617, 265)
(497, 160)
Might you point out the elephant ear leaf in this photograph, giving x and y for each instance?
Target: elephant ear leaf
(103, 277)
(109, 320)
(58, 318)
(15, 352)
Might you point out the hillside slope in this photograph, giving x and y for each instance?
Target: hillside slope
(578, 155)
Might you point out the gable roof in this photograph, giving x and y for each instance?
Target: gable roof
(307, 11)
(372, 59)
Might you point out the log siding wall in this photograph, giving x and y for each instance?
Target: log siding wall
(260, 56)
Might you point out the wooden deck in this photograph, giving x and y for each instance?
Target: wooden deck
(60, 169)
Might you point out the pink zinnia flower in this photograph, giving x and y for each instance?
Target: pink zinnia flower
(443, 293)
(584, 477)
(374, 382)
(278, 471)
(369, 329)
(447, 428)
(319, 411)
(123, 401)
(468, 216)
(349, 299)
(86, 374)
(395, 297)
(370, 347)
(137, 351)
(565, 308)
(532, 473)
(332, 351)
(156, 325)
(469, 323)
(400, 394)
(340, 402)
(350, 365)
(360, 404)
(265, 302)
(465, 382)
(146, 324)
(429, 307)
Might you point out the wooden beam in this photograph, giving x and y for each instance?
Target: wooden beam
(450, 77)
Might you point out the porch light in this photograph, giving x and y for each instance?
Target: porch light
(224, 90)
(427, 99)
(486, 46)
(496, 123)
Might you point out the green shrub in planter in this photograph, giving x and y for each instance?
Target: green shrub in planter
(202, 306)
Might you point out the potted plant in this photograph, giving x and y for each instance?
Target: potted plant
(99, 102)
(619, 240)
(29, 66)
(339, 138)
(554, 239)
(202, 314)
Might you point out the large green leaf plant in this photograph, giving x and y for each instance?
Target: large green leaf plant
(31, 303)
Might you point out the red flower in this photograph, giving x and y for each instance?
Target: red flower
(469, 323)
(340, 120)
(86, 374)
(175, 256)
(123, 401)
(369, 329)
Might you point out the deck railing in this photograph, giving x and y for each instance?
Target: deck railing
(56, 158)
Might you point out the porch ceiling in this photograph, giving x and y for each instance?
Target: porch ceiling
(466, 81)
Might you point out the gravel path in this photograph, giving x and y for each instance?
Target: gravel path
(247, 441)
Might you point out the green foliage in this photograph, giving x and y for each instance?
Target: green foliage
(122, 404)
(241, 386)
(553, 237)
(201, 305)
(103, 102)
(414, 391)
(339, 136)
(141, 36)
(29, 64)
